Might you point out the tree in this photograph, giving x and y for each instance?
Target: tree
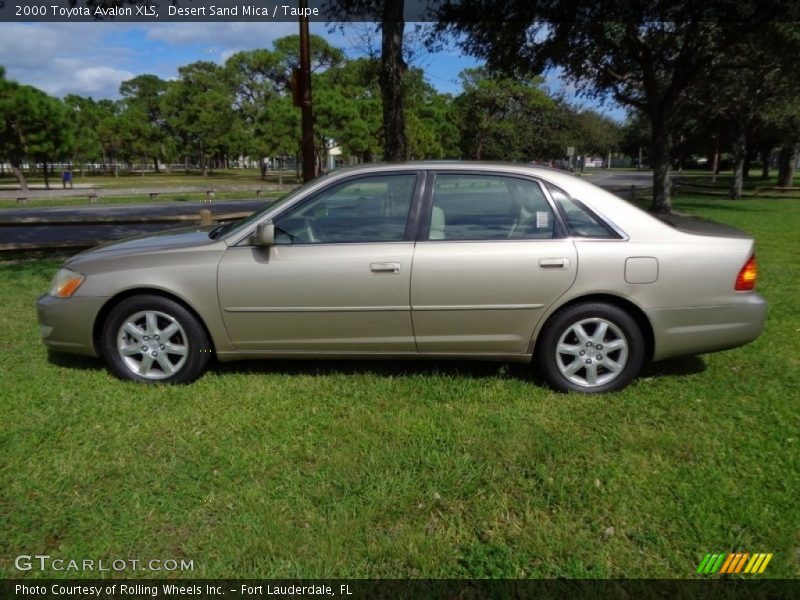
(143, 98)
(431, 121)
(114, 135)
(347, 107)
(279, 127)
(503, 117)
(595, 133)
(201, 110)
(85, 116)
(389, 14)
(646, 54)
(35, 128)
(754, 94)
(261, 77)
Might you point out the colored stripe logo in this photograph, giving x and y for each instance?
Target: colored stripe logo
(734, 562)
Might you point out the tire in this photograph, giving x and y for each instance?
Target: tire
(151, 339)
(593, 347)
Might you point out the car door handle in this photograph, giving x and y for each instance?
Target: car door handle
(554, 263)
(385, 267)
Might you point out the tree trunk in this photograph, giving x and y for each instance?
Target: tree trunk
(662, 163)
(715, 166)
(766, 152)
(739, 158)
(393, 70)
(46, 176)
(478, 149)
(786, 163)
(23, 183)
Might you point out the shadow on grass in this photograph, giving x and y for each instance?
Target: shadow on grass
(687, 365)
(721, 204)
(381, 367)
(682, 365)
(75, 361)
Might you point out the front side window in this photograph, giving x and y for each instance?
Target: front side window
(489, 207)
(368, 209)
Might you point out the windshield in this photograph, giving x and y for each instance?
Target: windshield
(237, 226)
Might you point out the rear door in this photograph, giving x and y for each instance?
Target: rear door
(490, 258)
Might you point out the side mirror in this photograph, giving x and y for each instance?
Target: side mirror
(265, 234)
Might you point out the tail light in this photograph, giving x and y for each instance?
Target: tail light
(746, 279)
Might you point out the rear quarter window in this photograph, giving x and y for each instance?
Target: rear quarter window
(579, 219)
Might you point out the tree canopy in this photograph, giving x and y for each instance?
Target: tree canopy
(648, 55)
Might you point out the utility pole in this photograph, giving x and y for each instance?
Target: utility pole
(302, 96)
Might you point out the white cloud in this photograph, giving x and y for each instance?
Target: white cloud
(92, 59)
(64, 59)
(221, 36)
(100, 81)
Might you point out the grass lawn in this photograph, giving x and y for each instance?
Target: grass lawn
(398, 469)
(248, 178)
(136, 199)
(152, 179)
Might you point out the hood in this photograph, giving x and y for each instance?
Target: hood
(170, 239)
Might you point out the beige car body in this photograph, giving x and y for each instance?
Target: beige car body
(417, 297)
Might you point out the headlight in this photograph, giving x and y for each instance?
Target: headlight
(65, 282)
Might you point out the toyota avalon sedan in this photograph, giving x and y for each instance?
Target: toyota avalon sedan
(419, 260)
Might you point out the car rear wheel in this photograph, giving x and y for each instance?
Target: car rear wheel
(154, 340)
(592, 347)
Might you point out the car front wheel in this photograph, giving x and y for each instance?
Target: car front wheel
(153, 339)
(592, 347)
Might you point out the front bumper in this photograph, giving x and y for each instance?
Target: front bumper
(66, 324)
(697, 330)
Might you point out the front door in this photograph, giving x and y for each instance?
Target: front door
(337, 279)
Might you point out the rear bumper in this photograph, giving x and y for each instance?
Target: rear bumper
(696, 330)
(66, 324)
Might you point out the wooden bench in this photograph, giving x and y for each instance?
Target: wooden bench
(209, 196)
(153, 196)
(22, 201)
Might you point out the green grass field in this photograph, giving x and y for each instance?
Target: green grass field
(137, 199)
(153, 179)
(399, 469)
(167, 183)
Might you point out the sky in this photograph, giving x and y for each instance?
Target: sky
(92, 59)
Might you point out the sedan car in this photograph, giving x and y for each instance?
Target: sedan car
(419, 260)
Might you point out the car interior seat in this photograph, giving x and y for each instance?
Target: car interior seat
(437, 230)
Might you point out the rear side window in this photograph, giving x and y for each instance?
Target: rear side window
(579, 219)
(489, 207)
